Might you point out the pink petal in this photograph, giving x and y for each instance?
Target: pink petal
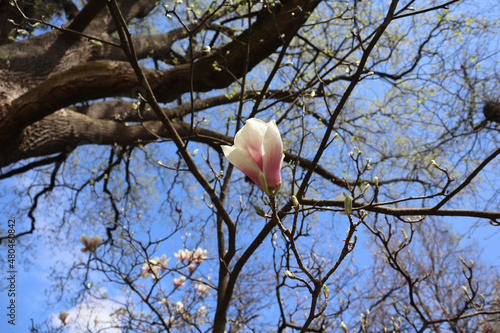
(273, 155)
(241, 160)
(249, 139)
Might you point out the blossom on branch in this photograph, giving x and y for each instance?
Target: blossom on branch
(162, 262)
(258, 153)
(202, 310)
(90, 243)
(183, 255)
(179, 307)
(199, 256)
(180, 281)
(153, 266)
(63, 316)
(202, 289)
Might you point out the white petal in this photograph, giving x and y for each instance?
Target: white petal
(273, 155)
(241, 160)
(250, 137)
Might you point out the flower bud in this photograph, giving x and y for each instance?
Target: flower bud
(259, 211)
(258, 153)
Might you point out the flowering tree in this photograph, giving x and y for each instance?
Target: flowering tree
(361, 131)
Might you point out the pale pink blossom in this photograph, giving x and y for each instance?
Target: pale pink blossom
(162, 262)
(90, 243)
(202, 289)
(184, 255)
(189, 255)
(153, 266)
(181, 255)
(191, 268)
(201, 314)
(63, 316)
(257, 150)
(180, 281)
(202, 310)
(148, 269)
(164, 302)
(179, 307)
(199, 256)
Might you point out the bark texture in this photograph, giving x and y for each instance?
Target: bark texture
(44, 77)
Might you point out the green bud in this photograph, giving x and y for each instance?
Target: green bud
(295, 202)
(264, 184)
(404, 234)
(276, 190)
(326, 291)
(347, 203)
(259, 211)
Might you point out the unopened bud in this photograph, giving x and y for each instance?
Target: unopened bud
(259, 211)
(326, 291)
(404, 234)
(295, 202)
(347, 203)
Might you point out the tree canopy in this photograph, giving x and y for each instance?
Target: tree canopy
(112, 118)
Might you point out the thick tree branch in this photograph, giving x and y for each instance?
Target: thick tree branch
(86, 15)
(107, 78)
(65, 130)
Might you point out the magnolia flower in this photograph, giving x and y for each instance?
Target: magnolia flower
(91, 243)
(201, 314)
(179, 307)
(258, 153)
(162, 262)
(153, 266)
(191, 268)
(202, 310)
(148, 270)
(202, 289)
(181, 255)
(199, 256)
(164, 302)
(180, 281)
(63, 315)
(184, 255)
